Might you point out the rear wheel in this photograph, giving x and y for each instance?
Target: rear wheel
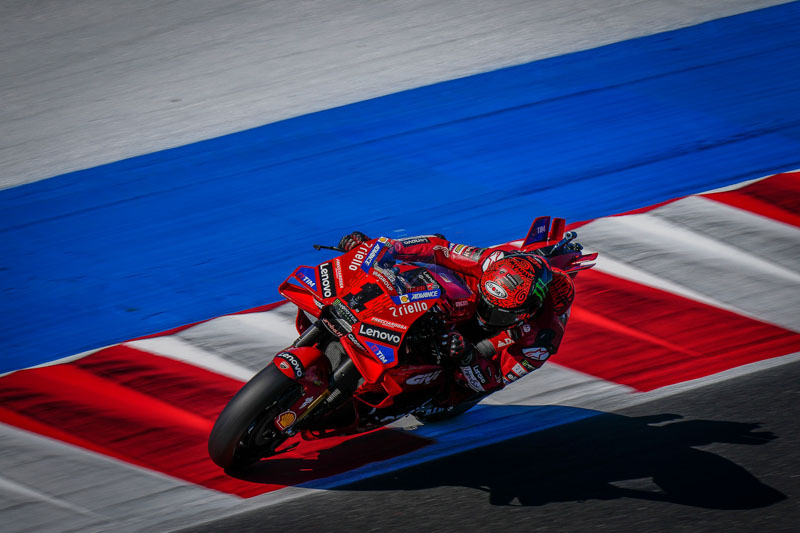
(244, 432)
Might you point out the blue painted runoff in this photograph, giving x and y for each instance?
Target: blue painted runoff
(109, 253)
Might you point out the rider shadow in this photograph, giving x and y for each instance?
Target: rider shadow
(603, 457)
(330, 457)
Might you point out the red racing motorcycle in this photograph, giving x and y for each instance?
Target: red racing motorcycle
(365, 360)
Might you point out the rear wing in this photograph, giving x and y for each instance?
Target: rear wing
(543, 233)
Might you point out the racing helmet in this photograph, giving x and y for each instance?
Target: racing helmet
(511, 290)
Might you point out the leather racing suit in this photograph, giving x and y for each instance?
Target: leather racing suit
(497, 357)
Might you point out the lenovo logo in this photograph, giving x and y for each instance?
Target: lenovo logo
(379, 334)
(325, 275)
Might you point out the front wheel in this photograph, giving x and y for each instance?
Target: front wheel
(243, 432)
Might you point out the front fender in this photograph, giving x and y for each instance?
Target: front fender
(293, 362)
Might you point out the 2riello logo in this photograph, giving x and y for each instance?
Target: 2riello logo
(358, 258)
(407, 309)
(379, 334)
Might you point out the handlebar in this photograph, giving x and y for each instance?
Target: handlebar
(568, 237)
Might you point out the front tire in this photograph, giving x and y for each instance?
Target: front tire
(243, 432)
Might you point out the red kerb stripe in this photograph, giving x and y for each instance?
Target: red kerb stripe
(776, 197)
(157, 413)
(646, 338)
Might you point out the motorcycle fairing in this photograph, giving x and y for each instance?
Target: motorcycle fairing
(371, 302)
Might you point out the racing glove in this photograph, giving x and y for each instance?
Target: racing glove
(454, 348)
(351, 240)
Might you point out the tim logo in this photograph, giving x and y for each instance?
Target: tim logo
(307, 276)
(384, 354)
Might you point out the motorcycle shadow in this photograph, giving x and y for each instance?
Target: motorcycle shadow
(324, 458)
(603, 457)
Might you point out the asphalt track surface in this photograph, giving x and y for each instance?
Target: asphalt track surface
(723, 457)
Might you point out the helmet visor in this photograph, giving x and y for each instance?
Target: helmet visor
(497, 317)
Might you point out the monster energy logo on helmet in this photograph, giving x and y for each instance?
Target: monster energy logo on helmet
(539, 289)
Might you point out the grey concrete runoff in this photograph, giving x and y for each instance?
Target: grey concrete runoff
(84, 83)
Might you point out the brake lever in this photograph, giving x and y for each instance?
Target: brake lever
(323, 247)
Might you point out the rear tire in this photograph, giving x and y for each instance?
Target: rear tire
(232, 442)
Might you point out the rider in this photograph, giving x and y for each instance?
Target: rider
(522, 307)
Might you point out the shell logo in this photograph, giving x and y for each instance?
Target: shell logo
(404, 299)
(286, 419)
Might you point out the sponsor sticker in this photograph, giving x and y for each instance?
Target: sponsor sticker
(380, 275)
(408, 309)
(293, 361)
(414, 240)
(334, 328)
(358, 257)
(495, 290)
(540, 289)
(307, 276)
(429, 294)
(423, 379)
(344, 312)
(327, 287)
(538, 232)
(306, 402)
(379, 334)
(518, 370)
(476, 253)
(426, 276)
(510, 378)
(384, 354)
(537, 353)
(337, 269)
(504, 342)
(352, 338)
(373, 254)
(492, 259)
(384, 322)
(286, 419)
(473, 381)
